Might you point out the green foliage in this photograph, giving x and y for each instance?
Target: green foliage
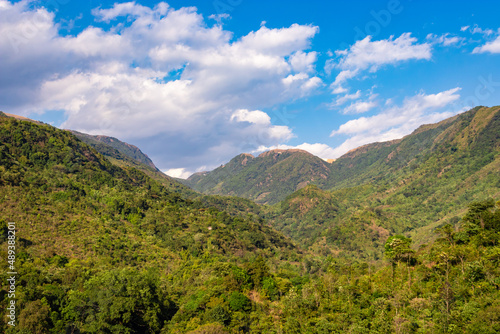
(120, 301)
(35, 317)
(104, 249)
(239, 302)
(397, 248)
(268, 178)
(218, 314)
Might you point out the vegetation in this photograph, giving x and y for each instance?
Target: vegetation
(108, 249)
(121, 150)
(266, 179)
(123, 154)
(408, 187)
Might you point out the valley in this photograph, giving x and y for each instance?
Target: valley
(398, 236)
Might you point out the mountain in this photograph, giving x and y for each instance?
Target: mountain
(413, 186)
(96, 243)
(102, 144)
(267, 178)
(99, 248)
(65, 178)
(123, 154)
(22, 118)
(273, 175)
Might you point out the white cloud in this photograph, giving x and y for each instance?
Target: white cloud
(301, 83)
(280, 42)
(129, 9)
(359, 107)
(302, 61)
(256, 116)
(180, 173)
(478, 30)
(343, 76)
(492, 44)
(219, 17)
(166, 80)
(343, 99)
(491, 47)
(371, 55)
(311, 84)
(367, 54)
(396, 121)
(338, 89)
(445, 39)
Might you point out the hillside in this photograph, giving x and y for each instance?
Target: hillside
(267, 178)
(101, 144)
(273, 175)
(426, 176)
(76, 213)
(123, 154)
(105, 249)
(412, 185)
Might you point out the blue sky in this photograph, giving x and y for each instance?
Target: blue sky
(194, 83)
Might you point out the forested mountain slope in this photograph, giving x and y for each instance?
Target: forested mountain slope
(123, 154)
(102, 143)
(78, 218)
(267, 178)
(104, 249)
(411, 186)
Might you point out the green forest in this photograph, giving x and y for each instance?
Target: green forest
(105, 247)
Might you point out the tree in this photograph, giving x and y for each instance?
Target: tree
(397, 249)
(35, 317)
(238, 301)
(123, 300)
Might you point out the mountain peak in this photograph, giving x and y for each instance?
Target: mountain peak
(127, 149)
(268, 178)
(280, 151)
(21, 118)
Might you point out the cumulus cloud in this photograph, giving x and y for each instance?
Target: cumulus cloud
(180, 173)
(396, 121)
(371, 55)
(302, 61)
(184, 91)
(490, 47)
(256, 116)
(129, 9)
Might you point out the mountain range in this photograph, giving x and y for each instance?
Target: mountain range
(273, 175)
(349, 206)
(399, 236)
(411, 185)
